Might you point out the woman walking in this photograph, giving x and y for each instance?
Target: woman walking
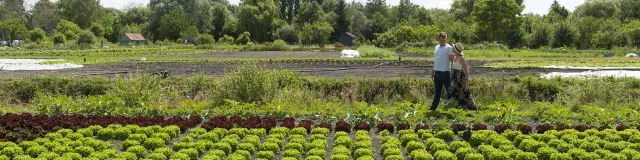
(459, 88)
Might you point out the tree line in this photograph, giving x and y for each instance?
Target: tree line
(601, 24)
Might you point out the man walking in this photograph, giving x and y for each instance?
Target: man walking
(443, 58)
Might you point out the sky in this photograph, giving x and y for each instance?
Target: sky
(531, 6)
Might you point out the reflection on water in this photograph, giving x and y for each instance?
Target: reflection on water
(32, 64)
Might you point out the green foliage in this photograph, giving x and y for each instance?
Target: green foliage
(266, 154)
(153, 143)
(86, 38)
(273, 147)
(317, 152)
(287, 33)
(206, 39)
(157, 156)
(292, 153)
(362, 153)
(315, 33)
(372, 51)
(391, 152)
(226, 39)
(172, 24)
(97, 29)
(140, 151)
(36, 35)
(444, 155)
(192, 153)
(223, 147)
(446, 135)
(493, 18)
(415, 145)
(339, 157)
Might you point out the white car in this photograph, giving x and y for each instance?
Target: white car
(349, 54)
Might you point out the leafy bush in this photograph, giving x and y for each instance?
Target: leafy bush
(183, 156)
(391, 152)
(84, 151)
(273, 147)
(129, 143)
(461, 152)
(48, 155)
(314, 158)
(153, 143)
(140, 151)
(408, 138)
(317, 137)
(372, 51)
(164, 150)
(498, 156)
(414, 145)
(478, 139)
(34, 151)
(260, 132)
(341, 134)
(164, 136)
(343, 141)
(589, 147)
(444, 155)
(613, 147)
(446, 135)
(339, 157)
(294, 146)
(433, 147)
(363, 145)
(223, 147)
(192, 153)
(454, 146)
(526, 156)
(292, 153)
(341, 150)
(209, 136)
(226, 39)
(244, 153)
(317, 152)
(86, 38)
(546, 152)
(588, 155)
(394, 157)
(322, 131)
(266, 154)
(362, 152)
(420, 155)
(157, 156)
(206, 39)
(561, 156)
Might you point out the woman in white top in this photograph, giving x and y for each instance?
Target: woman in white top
(459, 88)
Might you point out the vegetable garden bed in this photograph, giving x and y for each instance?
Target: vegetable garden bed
(238, 138)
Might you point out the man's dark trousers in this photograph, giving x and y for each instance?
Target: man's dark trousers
(440, 79)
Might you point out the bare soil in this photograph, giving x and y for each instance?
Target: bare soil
(318, 68)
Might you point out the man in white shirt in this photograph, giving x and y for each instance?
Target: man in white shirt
(442, 60)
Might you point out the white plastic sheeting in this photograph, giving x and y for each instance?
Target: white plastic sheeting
(349, 54)
(33, 65)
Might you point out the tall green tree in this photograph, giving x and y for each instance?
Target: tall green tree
(342, 24)
(632, 30)
(261, 20)
(44, 16)
(81, 12)
(136, 15)
(203, 16)
(357, 19)
(13, 29)
(316, 33)
(172, 24)
(588, 27)
(224, 22)
(376, 6)
(309, 12)
(565, 35)
(629, 9)
(598, 9)
(158, 9)
(560, 10)
(496, 20)
(13, 9)
(68, 28)
(461, 9)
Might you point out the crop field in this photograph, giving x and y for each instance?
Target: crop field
(237, 104)
(29, 136)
